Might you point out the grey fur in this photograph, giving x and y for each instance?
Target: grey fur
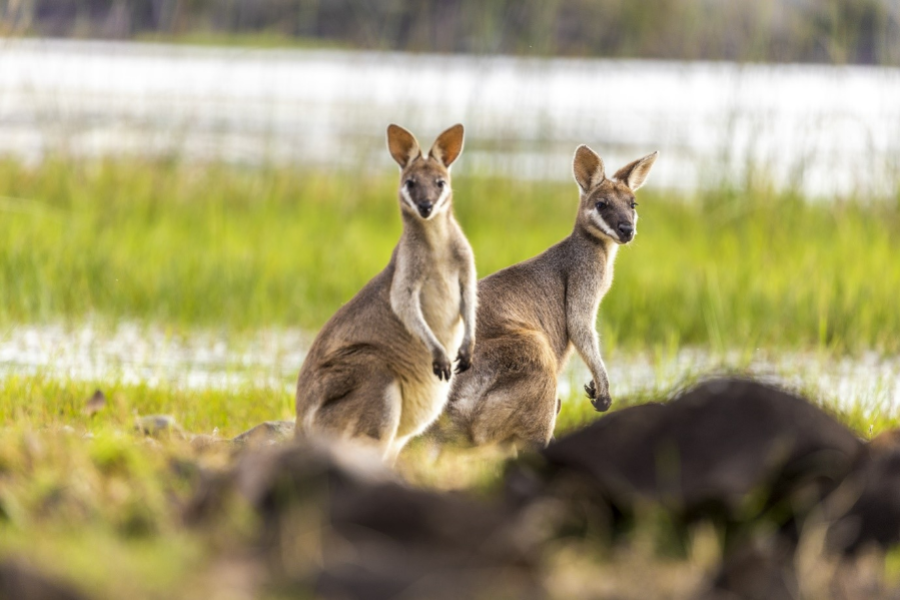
(531, 315)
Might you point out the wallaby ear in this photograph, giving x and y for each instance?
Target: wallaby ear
(635, 173)
(588, 168)
(448, 145)
(402, 145)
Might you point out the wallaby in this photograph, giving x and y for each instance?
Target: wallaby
(531, 314)
(380, 369)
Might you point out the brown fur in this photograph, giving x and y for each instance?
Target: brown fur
(379, 370)
(532, 314)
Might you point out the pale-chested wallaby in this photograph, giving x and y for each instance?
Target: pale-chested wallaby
(380, 369)
(530, 315)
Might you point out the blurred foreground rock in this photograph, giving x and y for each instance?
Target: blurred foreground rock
(20, 582)
(95, 403)
(270, 432)
(158, 425)
(866, 508)
(757, 570)
(335, 521)
(798, 501)
(728, 450)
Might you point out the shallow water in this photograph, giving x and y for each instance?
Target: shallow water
(821, 129)
(135, 354)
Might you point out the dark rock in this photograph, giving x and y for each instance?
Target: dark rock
(726, 447)
(20, 582)
(404, 542)
(156, 425)
(758, 570)
(270, 432)
(886, 441)
(419, 544)
(202, 442)
(872, 494)
(95, 403)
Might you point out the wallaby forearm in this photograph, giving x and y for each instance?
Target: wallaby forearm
(468, 307)
(584, 338)
(406, 305)
(468, 301)
(582, 302)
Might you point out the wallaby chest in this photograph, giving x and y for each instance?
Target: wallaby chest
(595, 274)
(440, 303)
(434, 269)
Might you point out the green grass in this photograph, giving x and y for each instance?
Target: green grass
(89, 500)
(44, 401)
(238, 249)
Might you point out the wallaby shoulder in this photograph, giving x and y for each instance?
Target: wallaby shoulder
(361, 320)
(535, 293)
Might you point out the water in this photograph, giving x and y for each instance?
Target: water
(135, 354)
(825, 130)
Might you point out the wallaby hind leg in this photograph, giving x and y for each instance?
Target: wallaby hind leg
(521, 410)
(369, 413)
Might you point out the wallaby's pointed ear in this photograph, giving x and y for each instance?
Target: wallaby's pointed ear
(635, 173)
(588, 168)
(403, 145)
(448, 145)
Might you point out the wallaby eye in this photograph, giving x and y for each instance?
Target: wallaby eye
(410, 184)
(633, 204)
(602, 204)
(441, 183)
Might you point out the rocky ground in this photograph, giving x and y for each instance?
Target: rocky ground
(733, 489)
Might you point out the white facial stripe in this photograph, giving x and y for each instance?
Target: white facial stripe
(445, 193)
(404, 193)
(602, 225)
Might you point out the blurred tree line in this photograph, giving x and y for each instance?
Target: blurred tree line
(833, 31)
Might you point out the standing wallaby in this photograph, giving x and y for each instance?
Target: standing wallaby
(380, 369)
(531, 314)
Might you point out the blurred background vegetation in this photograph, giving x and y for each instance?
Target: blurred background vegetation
(243, 248)
(807, 31)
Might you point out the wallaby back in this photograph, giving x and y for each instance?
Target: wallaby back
(379, 370)
(532, 314)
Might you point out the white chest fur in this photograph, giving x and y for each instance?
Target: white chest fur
(440, 299)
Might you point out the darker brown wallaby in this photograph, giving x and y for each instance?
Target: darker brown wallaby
(379, 370)
(532, 314)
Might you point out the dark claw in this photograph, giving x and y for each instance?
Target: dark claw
(443, 371)
(599, 404)
(464, 363)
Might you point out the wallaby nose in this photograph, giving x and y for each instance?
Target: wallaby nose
(626, 231)
(425, 209)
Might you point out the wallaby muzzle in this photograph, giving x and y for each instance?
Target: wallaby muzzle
(625, 231)
(425, 209)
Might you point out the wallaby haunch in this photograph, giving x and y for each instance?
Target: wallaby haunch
(380, 369)
(530, 316)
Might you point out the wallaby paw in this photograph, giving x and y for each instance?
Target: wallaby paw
(463, 361)
(599, 400)
(442, 368)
